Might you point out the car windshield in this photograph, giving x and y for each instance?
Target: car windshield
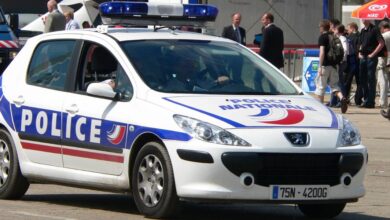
(188, 66)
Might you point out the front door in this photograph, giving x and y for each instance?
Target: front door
(94, 127)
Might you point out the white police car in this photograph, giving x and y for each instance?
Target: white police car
(170, 116)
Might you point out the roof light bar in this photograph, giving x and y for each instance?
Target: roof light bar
(142, 13)
(200, 11)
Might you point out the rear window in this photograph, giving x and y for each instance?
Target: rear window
(50, 63)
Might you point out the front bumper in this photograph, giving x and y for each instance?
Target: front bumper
(220, 178)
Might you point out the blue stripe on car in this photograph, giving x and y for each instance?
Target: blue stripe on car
(5, 107)
(228, 121)
(334, 124)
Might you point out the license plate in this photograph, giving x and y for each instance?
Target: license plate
(299, 192)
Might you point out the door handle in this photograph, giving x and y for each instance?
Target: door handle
(19, 100)
(73, 109)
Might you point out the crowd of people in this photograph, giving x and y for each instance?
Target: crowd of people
(364, 59)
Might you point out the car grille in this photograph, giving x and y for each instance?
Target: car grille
(294, 169)
(299, 169)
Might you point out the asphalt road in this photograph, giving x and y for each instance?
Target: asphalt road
(53, 202)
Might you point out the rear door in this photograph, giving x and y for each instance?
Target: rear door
(37, 105)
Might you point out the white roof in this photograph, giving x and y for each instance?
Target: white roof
(126, 34)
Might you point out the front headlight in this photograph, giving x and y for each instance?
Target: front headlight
(349, 135)
(12, 54)
(208, 132)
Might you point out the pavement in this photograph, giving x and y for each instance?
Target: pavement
(375, 131)
(53, 202)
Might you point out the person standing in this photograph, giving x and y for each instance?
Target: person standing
(334, 23)
(272, 44)
(327, 73)
(70, 23)
(353, 63)
(371, 44)
(334, 101)
(238, 34)
(234, 31)
(383, 66)
(55, 21)
(342, 67)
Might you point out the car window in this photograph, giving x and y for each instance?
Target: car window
(98, 64)
(193, 66)
(50, 64)
(123, 84)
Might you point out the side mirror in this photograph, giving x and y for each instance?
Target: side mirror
(102, 90)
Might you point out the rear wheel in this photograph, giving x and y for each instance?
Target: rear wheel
(152, 182)
(13, 184)
(321, 211)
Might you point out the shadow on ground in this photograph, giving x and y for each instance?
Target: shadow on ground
(191, 211)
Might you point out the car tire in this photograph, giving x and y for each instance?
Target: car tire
(321, 211)
(152, 181)
(13, 185)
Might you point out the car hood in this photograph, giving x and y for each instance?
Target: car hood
(255, 111)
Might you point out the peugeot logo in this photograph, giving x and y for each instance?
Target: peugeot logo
(298, 139)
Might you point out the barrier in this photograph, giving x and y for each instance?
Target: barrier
(310, 66)
(294, 60)
(309, 71)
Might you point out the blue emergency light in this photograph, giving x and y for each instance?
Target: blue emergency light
(149, 13)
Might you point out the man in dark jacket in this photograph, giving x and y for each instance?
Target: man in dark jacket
(272, 43)
(353, 62)
(234, 31)
(371, 43)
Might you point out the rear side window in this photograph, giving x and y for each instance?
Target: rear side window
(50, 64)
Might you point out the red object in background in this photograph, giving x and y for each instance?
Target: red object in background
(375, 10)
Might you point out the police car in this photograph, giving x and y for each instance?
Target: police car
(170, 116)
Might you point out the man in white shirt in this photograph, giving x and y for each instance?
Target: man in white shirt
(383, 67)
(70, 23)
(383, 73)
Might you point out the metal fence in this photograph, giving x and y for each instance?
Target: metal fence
(293, 63)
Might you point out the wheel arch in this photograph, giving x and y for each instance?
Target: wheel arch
(16, 184)
(140, 141)
(2, 126)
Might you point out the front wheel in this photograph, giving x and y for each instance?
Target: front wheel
(152, 181)
(321, 211)
(13, 184)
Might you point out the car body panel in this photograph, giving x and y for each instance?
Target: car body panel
(97, 135)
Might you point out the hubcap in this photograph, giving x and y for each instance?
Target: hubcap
(4, 162)
(150, 180)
